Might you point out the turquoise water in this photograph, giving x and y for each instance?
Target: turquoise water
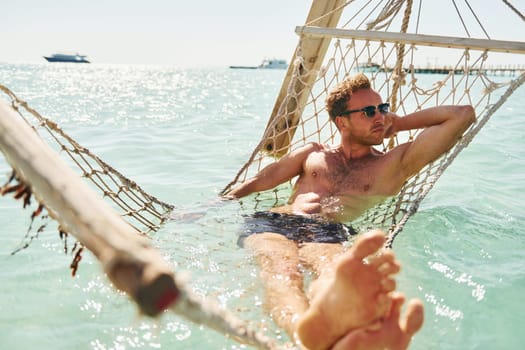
(182, 134)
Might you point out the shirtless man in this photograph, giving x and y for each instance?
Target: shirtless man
(338, 184)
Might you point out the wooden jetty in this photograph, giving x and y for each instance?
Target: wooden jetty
(509, 70)
(495, 70)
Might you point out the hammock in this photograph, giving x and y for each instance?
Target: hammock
(377, 37)
(383, 40)
(116, 234)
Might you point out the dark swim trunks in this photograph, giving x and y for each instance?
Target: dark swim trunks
(295, 227)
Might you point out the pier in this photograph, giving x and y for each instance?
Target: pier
(503, 70)
(509, 70)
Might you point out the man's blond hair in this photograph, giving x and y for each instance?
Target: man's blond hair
(338, 98)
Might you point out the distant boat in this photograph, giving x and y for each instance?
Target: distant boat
(273, 64)
(267, 63)
(62, 57)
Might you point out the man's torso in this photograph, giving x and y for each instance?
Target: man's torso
(341, 189)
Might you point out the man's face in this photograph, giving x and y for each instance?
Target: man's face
(366, 126)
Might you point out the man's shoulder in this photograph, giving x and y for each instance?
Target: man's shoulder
(399, 149)
(393, 160)
(315, 147)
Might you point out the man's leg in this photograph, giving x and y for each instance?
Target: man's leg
(320, 259)
(390, 333)
(278, 259)
(350, 292)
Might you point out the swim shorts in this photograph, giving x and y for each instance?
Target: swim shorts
(295, 227)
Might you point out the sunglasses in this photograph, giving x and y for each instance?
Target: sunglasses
(370, 111)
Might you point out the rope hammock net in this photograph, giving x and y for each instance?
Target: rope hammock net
(115, 234)
(381, 38)
(144, 212)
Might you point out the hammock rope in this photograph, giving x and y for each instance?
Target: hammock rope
(123, 249)
(142, 210)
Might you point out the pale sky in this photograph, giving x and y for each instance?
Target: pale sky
(181, 33)
(171, 32)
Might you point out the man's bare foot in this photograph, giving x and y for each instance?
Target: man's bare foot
(353, 295)
(391, 333)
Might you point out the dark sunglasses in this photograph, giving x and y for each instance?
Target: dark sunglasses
(370, 111)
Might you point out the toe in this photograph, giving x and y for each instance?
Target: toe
(368, 244)
(414, 317)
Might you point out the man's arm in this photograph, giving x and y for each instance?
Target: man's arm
(443, 126)
(276, 173)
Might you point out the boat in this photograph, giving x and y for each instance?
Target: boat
(267, 63)
(273, 63)
(63, 57)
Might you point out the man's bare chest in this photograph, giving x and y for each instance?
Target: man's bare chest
(346, 177)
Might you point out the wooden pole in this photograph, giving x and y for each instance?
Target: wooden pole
(129, 260)
(323, 13)
(517, 47)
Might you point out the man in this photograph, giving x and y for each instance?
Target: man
(335, 185)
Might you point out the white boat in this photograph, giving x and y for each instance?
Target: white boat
(267, 63)
(273, 63)
(64, 57)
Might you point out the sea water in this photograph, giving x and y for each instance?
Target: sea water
(182, 134)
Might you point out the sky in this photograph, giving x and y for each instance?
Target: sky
(166, 32)
(177, 32)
